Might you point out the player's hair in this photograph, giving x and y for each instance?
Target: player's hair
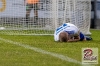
(63, 37)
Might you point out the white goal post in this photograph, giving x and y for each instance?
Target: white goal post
(51, 14)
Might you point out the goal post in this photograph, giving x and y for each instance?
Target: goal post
(51, 14)
(81, 15)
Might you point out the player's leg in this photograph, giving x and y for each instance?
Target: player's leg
(27, 16)
(36, 13)
(88, 38)
(82, 37)
(28, 10)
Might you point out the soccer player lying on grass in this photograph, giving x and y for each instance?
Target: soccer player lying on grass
(64, 37)
(69, 33)
(66, 30)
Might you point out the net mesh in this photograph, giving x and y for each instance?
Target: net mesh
(51, 14)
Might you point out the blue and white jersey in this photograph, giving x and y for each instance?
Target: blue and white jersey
(71, 29)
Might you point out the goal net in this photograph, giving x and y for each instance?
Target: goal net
(51, 14)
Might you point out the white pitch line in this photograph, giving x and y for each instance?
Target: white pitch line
(60, 56)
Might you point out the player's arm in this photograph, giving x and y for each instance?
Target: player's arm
(71, 40)
(77, 38)
(74, 39)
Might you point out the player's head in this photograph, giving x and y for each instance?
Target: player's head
(63, 37)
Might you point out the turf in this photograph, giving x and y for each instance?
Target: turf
(13, 55)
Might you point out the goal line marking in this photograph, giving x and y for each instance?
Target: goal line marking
(60, 56)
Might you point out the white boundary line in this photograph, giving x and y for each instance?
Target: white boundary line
(60, 56)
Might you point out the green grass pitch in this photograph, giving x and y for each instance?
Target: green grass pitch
(17, 55)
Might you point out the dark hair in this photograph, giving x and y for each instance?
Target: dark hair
(63, 37)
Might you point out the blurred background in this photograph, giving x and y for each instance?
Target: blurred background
(95, 14)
